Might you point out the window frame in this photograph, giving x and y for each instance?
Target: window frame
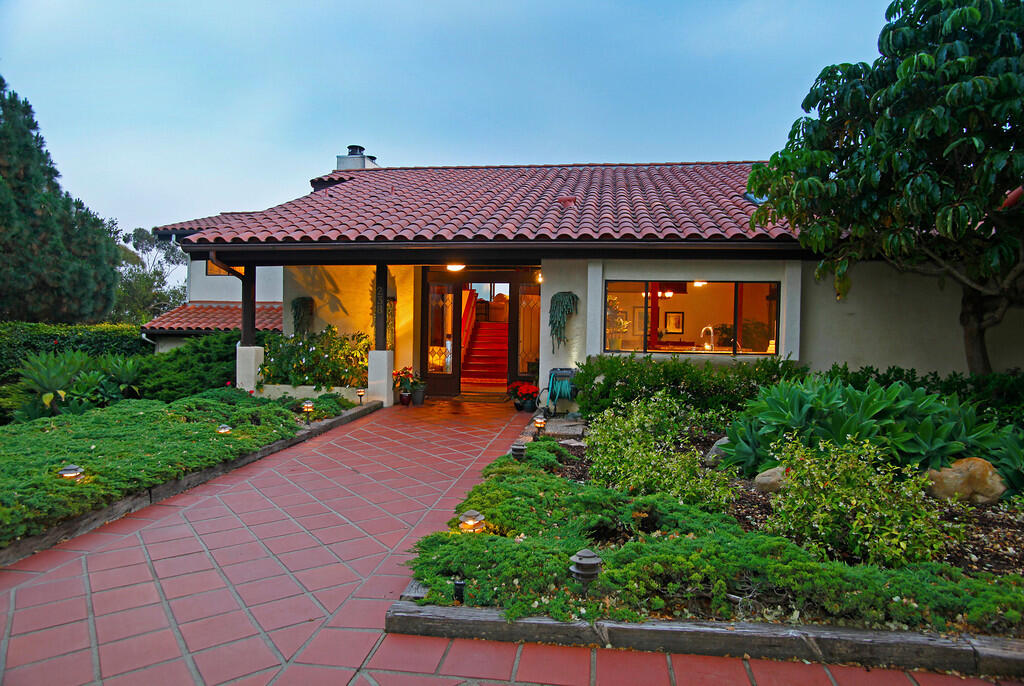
(647, 308)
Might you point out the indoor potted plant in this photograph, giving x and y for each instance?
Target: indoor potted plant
(405, 380)
(524, 395)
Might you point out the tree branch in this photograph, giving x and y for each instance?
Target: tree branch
(957, 274)
(919, 269)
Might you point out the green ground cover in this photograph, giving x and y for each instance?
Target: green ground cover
(681, 557)
(129, 446)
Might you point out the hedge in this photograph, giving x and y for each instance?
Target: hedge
(18, 339)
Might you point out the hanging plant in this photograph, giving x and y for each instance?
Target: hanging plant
(563, 305)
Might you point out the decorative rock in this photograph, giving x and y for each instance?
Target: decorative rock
(715, 453)
(572, 443)
(770, 480)
(971, 478)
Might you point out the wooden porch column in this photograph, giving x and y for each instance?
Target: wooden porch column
(249, 306)
(380, 309)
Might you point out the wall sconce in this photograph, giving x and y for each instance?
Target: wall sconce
(307, 409)
(223, 429)
(72, 471)
(539, 423)
(586, 565)
(540, 277)
(361, 392)
(471, 522)
(455, 267)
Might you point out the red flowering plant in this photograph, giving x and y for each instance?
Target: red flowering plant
(405, 379)
(522, 390)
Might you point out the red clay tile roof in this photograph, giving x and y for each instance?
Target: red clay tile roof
(632, 202)
(214, 316)
(203, 223)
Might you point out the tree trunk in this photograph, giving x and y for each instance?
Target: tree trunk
(972, 312)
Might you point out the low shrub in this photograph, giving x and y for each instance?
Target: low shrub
(915, 428)
(324, 359)
(604, 380)
(124, 448)
(325, 405)
(847, 503)
(663, 558)
(1000, 396)
(644, 447)
(204, 362)
(20, 339)
(71, 382)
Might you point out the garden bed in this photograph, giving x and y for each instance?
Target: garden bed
(134, 453)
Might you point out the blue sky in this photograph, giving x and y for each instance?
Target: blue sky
(159, 112)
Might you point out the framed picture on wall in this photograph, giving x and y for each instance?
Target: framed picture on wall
(673, 322)
(638, 321)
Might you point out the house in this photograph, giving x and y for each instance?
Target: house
(458, 267)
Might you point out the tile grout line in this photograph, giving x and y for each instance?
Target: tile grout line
(8, 628)
(90, 615)
(593, 666)
(166, 606)
(750, 671)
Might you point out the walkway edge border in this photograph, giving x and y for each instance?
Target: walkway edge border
(988, 655)
(132, 503)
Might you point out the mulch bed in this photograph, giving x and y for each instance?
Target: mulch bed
(994, 541)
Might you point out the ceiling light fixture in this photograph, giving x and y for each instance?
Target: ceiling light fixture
(455, 267)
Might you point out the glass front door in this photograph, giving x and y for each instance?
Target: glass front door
(443, 338)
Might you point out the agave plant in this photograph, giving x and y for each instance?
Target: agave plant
(51, 375)
(123, 371)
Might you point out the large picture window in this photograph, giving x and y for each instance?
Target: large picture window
(730, 317)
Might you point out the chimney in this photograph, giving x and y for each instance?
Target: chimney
(356, 159)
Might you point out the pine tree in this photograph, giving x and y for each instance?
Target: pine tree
(59, 258)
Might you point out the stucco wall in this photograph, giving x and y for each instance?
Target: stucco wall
(888, 318)
(343, 296)
(229, 288)
(891, 318)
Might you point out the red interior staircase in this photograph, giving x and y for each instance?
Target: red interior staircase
(486, 361)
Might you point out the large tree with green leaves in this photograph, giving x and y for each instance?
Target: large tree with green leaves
(916, 159)
(144, 286)
(59, 259)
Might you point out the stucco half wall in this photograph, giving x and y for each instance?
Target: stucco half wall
(888, 318)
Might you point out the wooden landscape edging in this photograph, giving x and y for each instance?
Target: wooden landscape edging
(135, 502)
(989, 655)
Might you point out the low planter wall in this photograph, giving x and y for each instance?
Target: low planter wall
(988, 655)
(273, 391)
(137, 501)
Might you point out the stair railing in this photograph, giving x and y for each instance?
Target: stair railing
(468, 322)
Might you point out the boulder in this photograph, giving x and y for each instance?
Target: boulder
(770, 480)
(715, 453)
(971, 478)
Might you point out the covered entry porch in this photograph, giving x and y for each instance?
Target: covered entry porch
(466, 328)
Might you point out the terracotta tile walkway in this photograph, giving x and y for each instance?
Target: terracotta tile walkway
(280, 572)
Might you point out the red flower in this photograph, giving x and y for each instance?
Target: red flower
(227, 383)
(55, 341)
(252, 392)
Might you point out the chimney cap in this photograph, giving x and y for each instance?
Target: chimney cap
(356, 150)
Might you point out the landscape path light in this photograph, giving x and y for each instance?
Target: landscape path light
(223, 429)
(539, 423)
(586, 565)
(519, 451)
(459, 590)
(72, 471)
(361, 392)
(307, 408)
(471, 522)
